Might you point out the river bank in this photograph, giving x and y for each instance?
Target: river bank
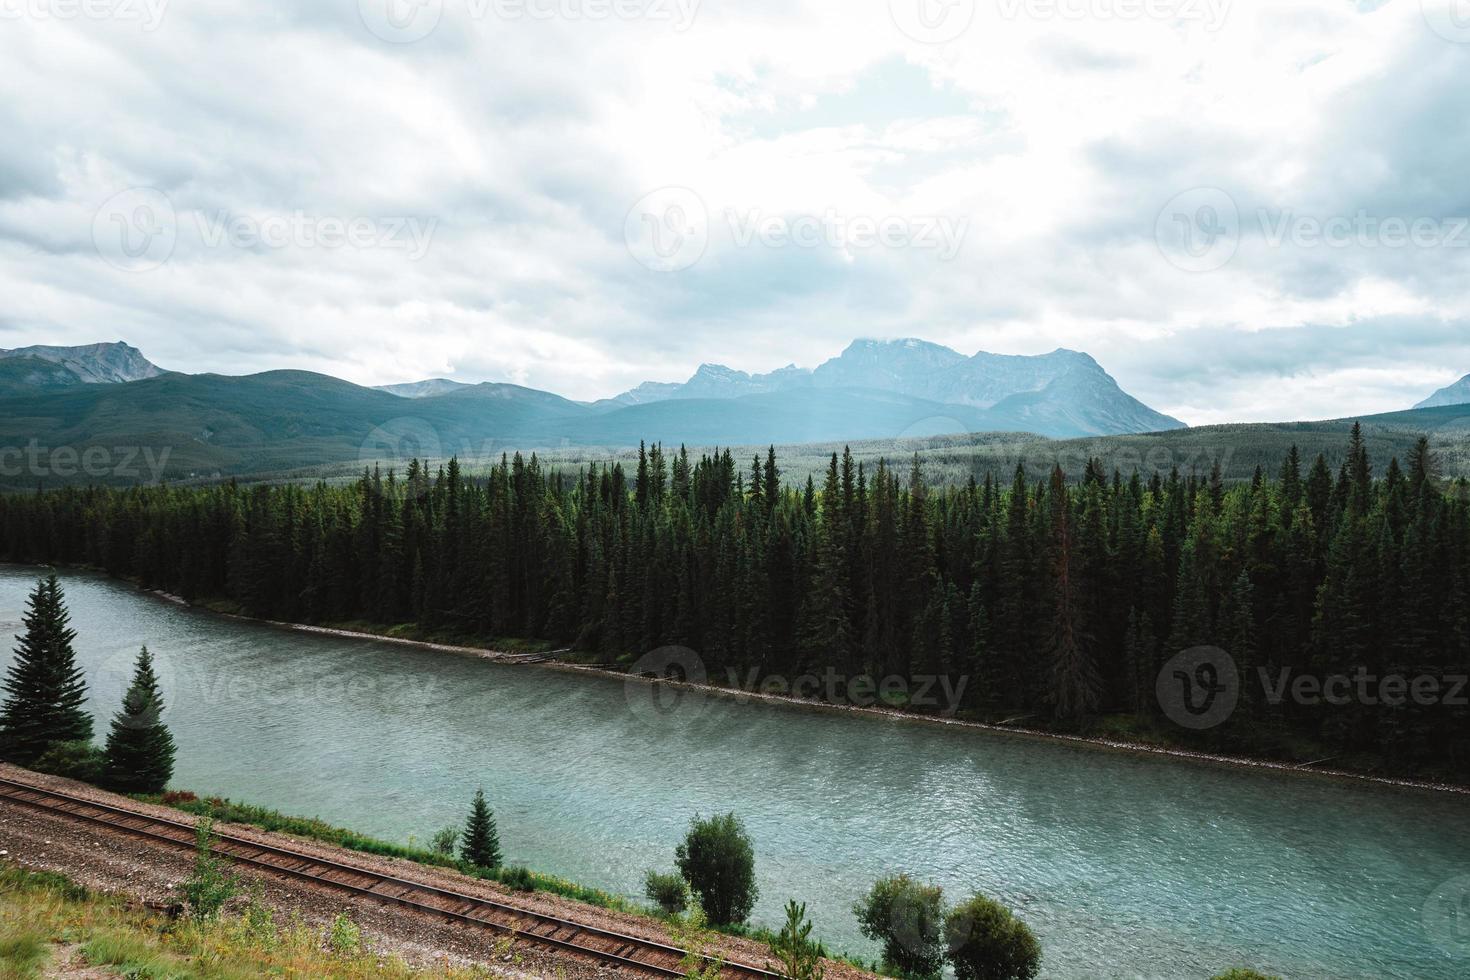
(553, 662)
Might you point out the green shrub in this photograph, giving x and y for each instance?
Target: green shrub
(79, 760)
(667, 890)
(718, 861)
(1243, 974)
(691, 932)
(259, 922)
(987, 942)
(798, 956)
(518, 878)
(906, 918)
(443, 841)
(211, 886)
(345, 937)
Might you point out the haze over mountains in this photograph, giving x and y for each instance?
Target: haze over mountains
(109, 395)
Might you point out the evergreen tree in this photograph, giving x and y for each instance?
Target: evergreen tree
(480, 842)
(1076, 688)
(140, 748)
(44, 687)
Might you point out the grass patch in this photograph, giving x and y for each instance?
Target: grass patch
(24, 952)
(38, 912)
(518, 878)
(311, 828)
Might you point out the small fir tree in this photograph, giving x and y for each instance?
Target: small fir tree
(140, 748)
(480, 845)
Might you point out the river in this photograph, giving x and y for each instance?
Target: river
(1125, 865)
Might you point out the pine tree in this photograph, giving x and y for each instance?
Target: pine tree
(1076, 687)
(140, 748)
(44, 688)
(480, 843)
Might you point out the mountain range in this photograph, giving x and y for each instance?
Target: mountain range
(1064, 393)
(111, 396)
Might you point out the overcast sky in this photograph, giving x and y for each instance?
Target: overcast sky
(1244, 211)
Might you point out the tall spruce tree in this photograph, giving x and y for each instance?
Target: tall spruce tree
(1076, 688)
(140, 748)
(44, 688)
(480, 843)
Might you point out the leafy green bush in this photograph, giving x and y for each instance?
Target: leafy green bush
(80, 760)
(907, 918)
(668, 890)
(443, 841)
(718, 861)
(345, 937)
(518, 878)
(987, 942)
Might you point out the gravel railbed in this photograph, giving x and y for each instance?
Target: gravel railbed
(119, 864)
(116, 862)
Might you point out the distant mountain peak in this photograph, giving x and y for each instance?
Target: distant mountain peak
(423, 389)
(1455, 394)
(103, 363)
(708, 370)
(1065, 391)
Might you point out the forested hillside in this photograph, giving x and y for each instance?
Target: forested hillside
(1059, 601)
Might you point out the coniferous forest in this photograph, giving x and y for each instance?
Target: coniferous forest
(1059, 603)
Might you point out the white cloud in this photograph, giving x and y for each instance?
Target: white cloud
(1055, 139)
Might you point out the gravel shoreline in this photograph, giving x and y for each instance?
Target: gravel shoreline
(118, 863)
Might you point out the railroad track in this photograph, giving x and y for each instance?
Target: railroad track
(633, 952)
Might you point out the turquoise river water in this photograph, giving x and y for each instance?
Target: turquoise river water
(1125, 865)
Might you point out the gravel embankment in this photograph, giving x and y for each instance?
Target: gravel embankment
(119, 863)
